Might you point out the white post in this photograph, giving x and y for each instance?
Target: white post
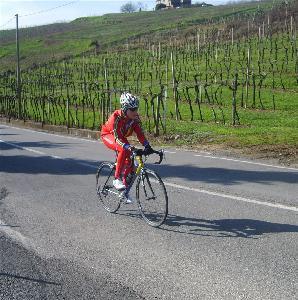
(159, 51)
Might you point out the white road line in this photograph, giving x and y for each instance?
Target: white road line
(275, 205)
(70, 159)
(48, 155)
(246, 162)
(54, 156)
(88, 165)
(23, 148)
(53, 134)
(253, 201)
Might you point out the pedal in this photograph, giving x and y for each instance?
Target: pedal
(122, 195)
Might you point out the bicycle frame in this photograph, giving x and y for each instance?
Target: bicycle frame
(140, 168)
(138, 171)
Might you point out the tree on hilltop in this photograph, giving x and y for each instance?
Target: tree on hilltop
(141, 6)
(128, 7)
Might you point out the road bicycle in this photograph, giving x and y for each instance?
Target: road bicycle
(151, 194)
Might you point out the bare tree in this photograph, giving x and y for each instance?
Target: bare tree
(141, 6)
(128, 7)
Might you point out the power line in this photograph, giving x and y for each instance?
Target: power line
(40, 12)
(7, 22)
(46, 10)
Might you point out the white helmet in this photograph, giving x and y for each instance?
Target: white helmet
(128, 101)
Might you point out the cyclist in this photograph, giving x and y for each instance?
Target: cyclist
(120, 125)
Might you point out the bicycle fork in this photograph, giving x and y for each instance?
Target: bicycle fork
(145, 177)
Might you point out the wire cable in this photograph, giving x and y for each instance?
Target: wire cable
(50, 9)
(39, 12)
(7, 22)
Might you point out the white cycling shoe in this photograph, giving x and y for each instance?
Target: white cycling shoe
(119, 185)
(127, 199)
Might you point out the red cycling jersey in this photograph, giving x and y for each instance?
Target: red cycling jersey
(114, 134)
(122, 127)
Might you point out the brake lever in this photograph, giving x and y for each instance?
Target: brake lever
(161, 154)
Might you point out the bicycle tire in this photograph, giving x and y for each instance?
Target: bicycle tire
(106, 192)
(154, 206)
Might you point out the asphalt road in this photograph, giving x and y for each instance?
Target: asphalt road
(231, 231)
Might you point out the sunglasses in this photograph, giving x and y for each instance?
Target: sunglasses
(134, 109)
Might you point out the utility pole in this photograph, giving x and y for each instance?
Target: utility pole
(18, 69)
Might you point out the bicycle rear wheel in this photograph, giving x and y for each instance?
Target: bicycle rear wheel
(107, 194)
(152, 198)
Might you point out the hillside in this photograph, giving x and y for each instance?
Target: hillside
(43, 43)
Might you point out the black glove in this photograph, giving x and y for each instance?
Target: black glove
(148, 150)
(131, 148)
(138, 152)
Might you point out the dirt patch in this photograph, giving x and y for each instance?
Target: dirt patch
(285, 154)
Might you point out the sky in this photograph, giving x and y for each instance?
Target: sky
(32, 13)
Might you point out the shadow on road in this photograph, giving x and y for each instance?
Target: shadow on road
(45, 165)
(211, 175)
(48, 165)
(226, 176)
(245, 228)
(28, 279)
(10, 226)
(40, 144)
(234, 228)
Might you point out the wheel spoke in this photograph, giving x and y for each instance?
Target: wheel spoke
(108, 196)
(152, 198)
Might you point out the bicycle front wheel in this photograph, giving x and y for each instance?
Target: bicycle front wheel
(107, 194)
(152, 198)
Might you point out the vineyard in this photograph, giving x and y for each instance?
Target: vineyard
(209, 81)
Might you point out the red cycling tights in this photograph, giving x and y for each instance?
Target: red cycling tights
(123, 164)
